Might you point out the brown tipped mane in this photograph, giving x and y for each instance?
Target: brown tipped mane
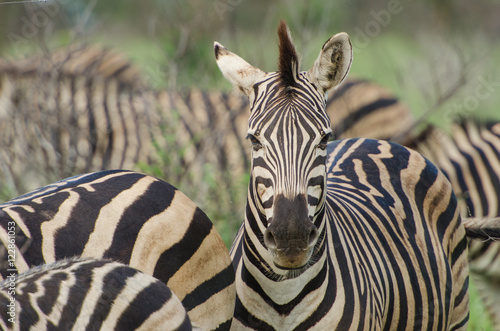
(288, 65)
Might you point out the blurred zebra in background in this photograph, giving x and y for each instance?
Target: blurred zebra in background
(86, 109)
(89, 294)
(131, 218)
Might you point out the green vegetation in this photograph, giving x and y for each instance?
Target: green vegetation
(479, 319)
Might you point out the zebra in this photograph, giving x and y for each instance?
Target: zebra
(468, 155)
(89, 294)
(129, 217)
(353, 234)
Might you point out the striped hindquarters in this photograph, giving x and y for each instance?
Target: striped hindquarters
(89, 294)
(470, 158)
(130, 217)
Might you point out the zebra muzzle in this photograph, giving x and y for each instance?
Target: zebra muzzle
(291, 236)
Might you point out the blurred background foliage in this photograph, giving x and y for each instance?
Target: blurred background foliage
(442, 55)
(418, 49)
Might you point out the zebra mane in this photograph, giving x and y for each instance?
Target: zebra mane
(288, 65)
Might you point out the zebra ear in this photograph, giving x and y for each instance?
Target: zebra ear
(333, 63)
(238, 71)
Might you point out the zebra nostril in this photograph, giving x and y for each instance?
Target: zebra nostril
(269, 239)
(313, 237)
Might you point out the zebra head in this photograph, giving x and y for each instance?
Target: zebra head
(289, 129)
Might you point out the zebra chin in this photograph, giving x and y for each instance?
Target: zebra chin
(288, 259)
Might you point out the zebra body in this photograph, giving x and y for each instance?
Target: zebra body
(86, 110)
(132, 218)
(468, 155)
(359, 234)
(89, 294)
(470, 159)
(359, 108)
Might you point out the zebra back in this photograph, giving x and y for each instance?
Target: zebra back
(89, 294)
(76, 60)
(129, 217)
(360, 108)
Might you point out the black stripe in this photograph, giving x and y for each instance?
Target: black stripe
(136, 120)
(147, 302)
(158, 198)
(343, 89)
(113, 283)
(174, 258)
(71, 239)
(222, 327)
(92, 140)
(52, 288)
(110, 130)
(249, 320)
(209, 288)
(122, 119)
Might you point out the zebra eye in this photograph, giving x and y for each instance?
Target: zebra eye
(256, 145)
(324, 141)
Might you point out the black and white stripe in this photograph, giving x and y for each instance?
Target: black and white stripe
(470, 159)
(469, 156)
(132, 218)
(362, 234)
(89, 294)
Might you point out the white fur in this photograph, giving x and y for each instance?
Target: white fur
(238, 71)
(335, 57)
